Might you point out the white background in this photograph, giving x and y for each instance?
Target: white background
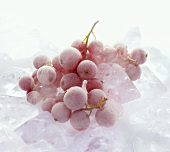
(62, 21)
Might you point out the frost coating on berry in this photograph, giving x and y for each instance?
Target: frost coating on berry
(47, 104)
(109, 55)
(94, 83)
(75, 98)
(70, 58)
(56, 83)
(47, 91)
(105, 117)
(121, 49)
(41, 60)
(34, 97)
(139, 55)
(78, 44)
(133, 71)
(96, 47)
(70, 80)
(60, 112)
(57, 65)
(46, 75)
(26, 83)
(95, 96)
(80, 120)
(87, 69)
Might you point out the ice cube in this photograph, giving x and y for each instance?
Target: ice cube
(10, 142)
(41, 146)
(9, 81)
(132, 38)
(117, 85)
(102, 139)
(15, 111)
(43, 127)
(159, 65)
(62, 137)
(148, 123)
(149, 85)
(5, 62)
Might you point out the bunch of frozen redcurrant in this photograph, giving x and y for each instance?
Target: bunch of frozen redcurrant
(67, 85)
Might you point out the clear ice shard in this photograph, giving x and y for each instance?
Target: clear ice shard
(9, 81)
(132, 38)
(159, 65)
(43, 127)
(149, 85)
(117, 85)
(63, 138)
(148, 124)
(41, 146)
(15, 111)
(10, 142)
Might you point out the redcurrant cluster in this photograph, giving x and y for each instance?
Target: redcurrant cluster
(67, 85)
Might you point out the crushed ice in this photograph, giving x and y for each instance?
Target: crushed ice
(143, 126)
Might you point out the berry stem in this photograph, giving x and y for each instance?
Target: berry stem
(99, 105)
(86, 39)
(135, 62)
(146, 54)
